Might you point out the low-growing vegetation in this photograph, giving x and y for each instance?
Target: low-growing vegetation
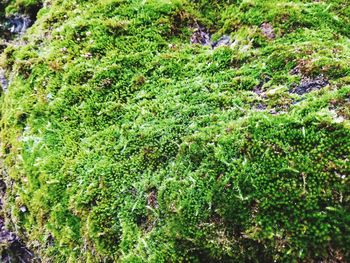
(179, 131)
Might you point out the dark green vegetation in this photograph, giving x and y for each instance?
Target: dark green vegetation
(13, 7)
(122, 141)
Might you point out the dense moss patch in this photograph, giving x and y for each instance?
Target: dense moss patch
(125, 142)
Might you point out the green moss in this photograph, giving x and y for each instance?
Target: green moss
(28, 7)
(127, 143)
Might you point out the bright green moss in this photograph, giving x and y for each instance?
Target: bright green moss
(127, 143)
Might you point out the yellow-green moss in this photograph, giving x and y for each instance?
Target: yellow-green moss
(127, 143)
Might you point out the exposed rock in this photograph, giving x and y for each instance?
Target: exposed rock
(5, 235)
(261, 106)
(201, 36)
(223, 41)
(267, 30)
(14, 25)
(308, 84)
(11, 248)
(16, 252)
(3, 80)
(19, 24)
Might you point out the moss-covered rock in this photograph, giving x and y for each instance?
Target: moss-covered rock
(127, 142)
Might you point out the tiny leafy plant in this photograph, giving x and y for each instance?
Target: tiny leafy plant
(125, 141)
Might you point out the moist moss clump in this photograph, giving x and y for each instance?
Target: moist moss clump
(126, 142)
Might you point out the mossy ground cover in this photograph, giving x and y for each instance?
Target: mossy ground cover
(125, 142)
